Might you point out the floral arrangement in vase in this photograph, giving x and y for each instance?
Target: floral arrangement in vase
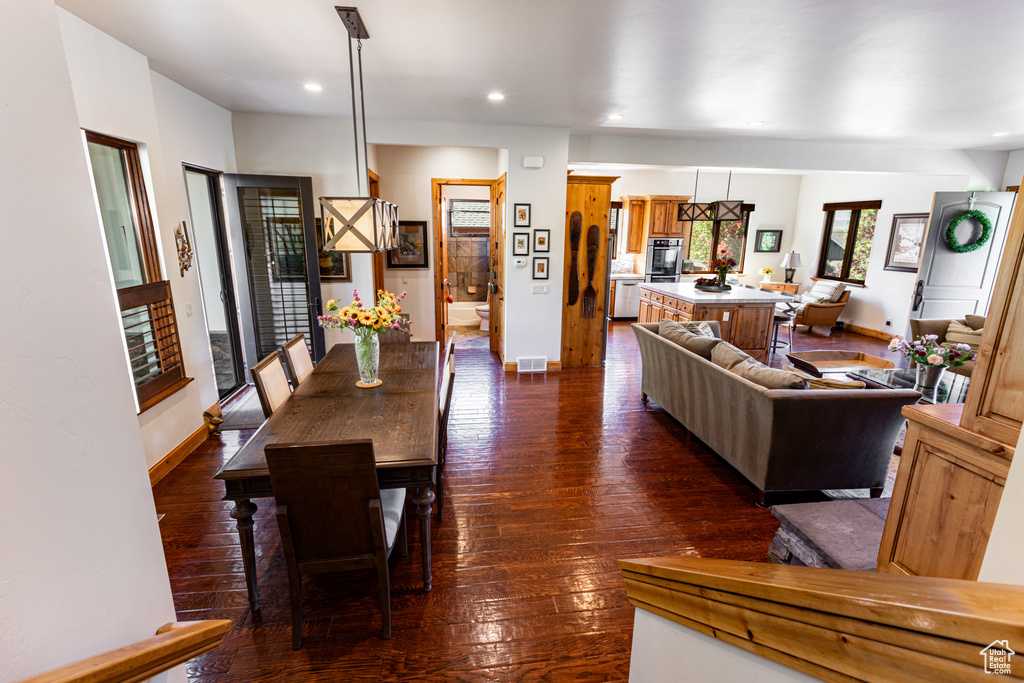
(367, 322)
(722, 264)
(931, 357)
(767, 273)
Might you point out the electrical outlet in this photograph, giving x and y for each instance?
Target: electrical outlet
(405, 279)
(888, 323)
(188, 310)
(540, 289)
(725, 316)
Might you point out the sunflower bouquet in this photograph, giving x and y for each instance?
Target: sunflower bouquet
(366, 320)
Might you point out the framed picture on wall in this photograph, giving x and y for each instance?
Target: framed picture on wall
(412, 246)
(521, 215)
(905, 242)
(335, 266)
(520, 244)
(768, 241)
(540, 268)
(541, 241)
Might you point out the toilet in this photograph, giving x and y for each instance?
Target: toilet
(485, 317)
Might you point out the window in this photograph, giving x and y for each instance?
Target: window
(710, 239)
(147, 310)
(469, 217)
(846, 244)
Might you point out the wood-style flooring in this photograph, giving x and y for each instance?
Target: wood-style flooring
(551, 478)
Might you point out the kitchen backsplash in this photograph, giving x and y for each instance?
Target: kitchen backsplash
(624, 263)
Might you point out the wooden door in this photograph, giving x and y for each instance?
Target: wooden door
(635, 234)
(659, 218)
(496, 291)
(441, 265)
(378, 258)
(950, 284)
(583, 338)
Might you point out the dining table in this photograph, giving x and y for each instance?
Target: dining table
(400, 416)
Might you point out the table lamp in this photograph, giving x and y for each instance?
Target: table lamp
(791, 261)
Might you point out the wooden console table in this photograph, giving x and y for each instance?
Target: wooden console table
(744, 315)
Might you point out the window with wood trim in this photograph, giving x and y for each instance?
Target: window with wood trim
(846, 242)
(147, 310)
(708, 240)
(469, 217)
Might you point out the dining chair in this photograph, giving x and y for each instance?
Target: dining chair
(298, 360)
(271, 383)
(444, 409)
(395, 336)
(333, 516)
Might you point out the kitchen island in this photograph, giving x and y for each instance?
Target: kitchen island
(744, 315)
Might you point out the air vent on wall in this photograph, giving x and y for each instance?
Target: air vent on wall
(532, 364)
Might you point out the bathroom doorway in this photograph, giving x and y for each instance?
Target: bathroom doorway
(467, 282)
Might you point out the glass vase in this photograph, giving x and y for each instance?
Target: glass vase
(367, 357)
(721, 277)
(929, 376)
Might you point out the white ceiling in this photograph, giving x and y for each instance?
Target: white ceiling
(944, 74)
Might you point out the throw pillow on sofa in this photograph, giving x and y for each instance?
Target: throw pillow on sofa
(702, 328)
(767, 377)
(958, 333)
(825, 382)
(694, 343)
(975, 322)
(727, 356)
(824, 292)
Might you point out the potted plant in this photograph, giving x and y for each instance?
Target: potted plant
(367, 323)
(767, 273)
(932, 358)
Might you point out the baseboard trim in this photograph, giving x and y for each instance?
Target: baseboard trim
(511, 367)
(868, 332)
(182, 451)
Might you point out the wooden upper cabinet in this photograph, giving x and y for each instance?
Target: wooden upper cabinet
(635, 236)
(661, 223)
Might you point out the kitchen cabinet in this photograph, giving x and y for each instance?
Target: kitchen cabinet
(788, 287)
(636, 239)
(653, 216)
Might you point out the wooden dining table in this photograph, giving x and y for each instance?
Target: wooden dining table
(400, 416)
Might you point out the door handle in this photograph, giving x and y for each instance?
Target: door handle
(918, 295)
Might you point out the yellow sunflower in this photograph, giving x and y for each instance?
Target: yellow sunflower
(366, 318)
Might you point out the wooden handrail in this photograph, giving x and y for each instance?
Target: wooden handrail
(834, 624)
(173, 644)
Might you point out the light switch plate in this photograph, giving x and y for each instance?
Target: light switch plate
(540, 289)
(188, 310)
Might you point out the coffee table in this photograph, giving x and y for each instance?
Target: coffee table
(952, 388)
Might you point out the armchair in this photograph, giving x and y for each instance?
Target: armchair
(938, 327)
(823, 315)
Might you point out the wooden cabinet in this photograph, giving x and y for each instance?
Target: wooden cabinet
(611, 300)
(653, 217)
(945, 498)
(788, 288)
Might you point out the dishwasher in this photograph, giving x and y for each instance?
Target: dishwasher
(627, 297)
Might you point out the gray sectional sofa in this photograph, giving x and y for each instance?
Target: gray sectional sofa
(779, 439)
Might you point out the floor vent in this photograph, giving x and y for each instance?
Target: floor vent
(532, 363)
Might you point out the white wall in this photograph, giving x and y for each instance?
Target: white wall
(405, 174)
(321, 148)
(1004, 556)
(81, 567)
(117, 94)
(666, 651)
(1014, 169)
(886, 294)
(773, 195)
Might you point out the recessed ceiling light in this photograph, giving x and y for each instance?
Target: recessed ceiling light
(496, 96)
(1000, 134)
(614, 117)
(313, 87)
(883, 129)
(755, 123)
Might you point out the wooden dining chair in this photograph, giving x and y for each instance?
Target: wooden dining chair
(271, 383)
(333, 516)
(444, 409)
(395, 336)
(298, 360)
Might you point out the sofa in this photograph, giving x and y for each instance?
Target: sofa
(778, 439)
(939, 326)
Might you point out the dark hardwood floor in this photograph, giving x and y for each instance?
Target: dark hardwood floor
(552, 478)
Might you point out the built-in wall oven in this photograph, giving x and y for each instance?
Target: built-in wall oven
(664, 260)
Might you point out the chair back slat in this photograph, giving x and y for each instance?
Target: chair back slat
(328, 489)
(396, 336)
(271, 383)
(296, 356)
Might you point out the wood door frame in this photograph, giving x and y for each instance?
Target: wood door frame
(377, 259)
(439, 266)
(496, 250)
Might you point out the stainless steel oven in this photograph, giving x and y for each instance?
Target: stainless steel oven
(664, 260)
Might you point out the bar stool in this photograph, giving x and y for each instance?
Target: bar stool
(782, 319)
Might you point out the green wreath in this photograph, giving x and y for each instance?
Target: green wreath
(986, 232)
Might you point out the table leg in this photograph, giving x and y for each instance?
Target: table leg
(242, 513)
(424, 498)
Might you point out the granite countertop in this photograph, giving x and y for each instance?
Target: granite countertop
(738, 295)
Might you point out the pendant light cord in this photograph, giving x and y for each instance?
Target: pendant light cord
(362, 111)
(355, 129)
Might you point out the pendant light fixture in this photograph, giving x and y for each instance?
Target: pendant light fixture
(729, 210)
(692, 211)
(358, 224)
